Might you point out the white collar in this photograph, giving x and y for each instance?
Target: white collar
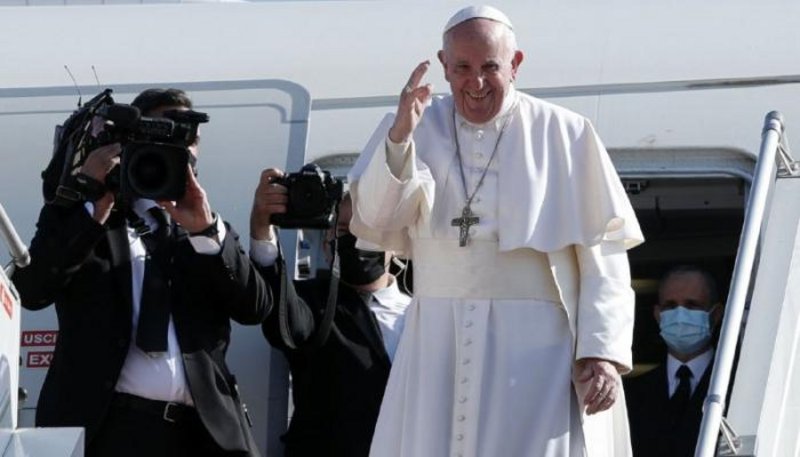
(142, 205)
(388, 296)
(698, 364)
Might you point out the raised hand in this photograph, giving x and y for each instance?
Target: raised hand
(270, 198)
(413, 101)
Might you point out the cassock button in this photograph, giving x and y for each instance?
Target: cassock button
(464, 380)
(479, 135)
(468, 324)
(462, 399)
(460, 437)
(466, 362)
(471, 307)
(468, 341)
(462, 418)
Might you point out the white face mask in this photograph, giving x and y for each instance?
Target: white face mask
(685, 331)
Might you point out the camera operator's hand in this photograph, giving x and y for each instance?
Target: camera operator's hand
(270, 198)
(97, 166)
(102, 207)
(101, 161)
(192, 211)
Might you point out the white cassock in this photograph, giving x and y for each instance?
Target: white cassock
(485, 364)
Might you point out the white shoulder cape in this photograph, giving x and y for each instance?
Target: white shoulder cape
(557, 183)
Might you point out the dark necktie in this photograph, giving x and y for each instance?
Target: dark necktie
(154, 307)
(680, 399)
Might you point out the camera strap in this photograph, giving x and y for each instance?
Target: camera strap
(324, 329)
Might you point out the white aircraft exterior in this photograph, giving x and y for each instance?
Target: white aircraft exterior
(678, 91)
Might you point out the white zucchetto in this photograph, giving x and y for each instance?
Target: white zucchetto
(478, 12)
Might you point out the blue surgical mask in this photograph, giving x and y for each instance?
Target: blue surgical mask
(685, 331)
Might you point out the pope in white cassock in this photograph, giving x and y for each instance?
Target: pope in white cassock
(518, 227)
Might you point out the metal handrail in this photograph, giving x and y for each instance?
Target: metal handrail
(742, 273)
(17, 249)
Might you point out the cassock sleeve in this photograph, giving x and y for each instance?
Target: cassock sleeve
(605, 305)
(391, 189)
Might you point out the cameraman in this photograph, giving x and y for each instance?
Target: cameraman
(144, 309)
(337, 382)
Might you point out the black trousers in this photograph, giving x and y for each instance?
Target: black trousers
(137, 427)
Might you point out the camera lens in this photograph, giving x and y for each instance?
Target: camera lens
(149, 170)
(154, 170)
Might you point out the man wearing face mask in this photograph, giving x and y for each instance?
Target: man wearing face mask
(665, 404)
(339, 372)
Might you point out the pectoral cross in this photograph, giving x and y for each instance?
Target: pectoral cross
(467, 220)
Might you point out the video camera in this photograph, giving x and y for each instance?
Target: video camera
(154, 150)
(153, 160)
(313, 196)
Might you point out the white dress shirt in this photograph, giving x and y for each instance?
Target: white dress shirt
(697, 366)
(389, 306)
(160, 376)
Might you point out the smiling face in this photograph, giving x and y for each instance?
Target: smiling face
(480, 63)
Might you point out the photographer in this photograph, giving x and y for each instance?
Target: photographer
(339, 373)
(144, 308)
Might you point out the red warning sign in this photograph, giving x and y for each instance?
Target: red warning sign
(5, 299)
(39, 338)
(39, 359)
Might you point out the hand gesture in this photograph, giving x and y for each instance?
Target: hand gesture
(192, 211)
(270, 198)
(603, 383)
(413, 101)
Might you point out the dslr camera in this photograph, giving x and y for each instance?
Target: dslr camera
(313, 196)
(155, 151)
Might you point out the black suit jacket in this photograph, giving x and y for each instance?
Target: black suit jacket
(85, 269)
(652, 435)
(338, 386)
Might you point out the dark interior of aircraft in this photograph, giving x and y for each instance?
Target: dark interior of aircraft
(694, 221)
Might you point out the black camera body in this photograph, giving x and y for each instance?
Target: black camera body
(155, 151)
(313, 196)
